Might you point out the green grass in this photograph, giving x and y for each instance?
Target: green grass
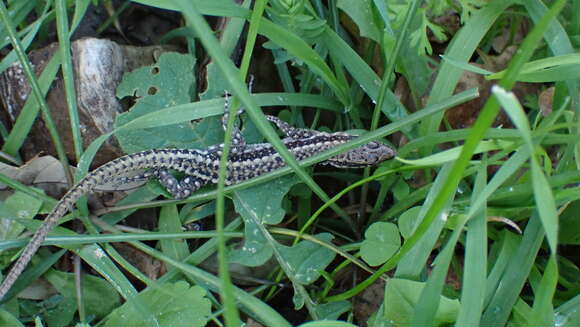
(444, 260)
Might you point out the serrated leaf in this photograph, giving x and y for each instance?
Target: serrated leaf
(381, 241)
(298, 20)
(174, 305)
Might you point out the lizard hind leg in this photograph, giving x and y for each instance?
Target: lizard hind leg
(178, 189)
(238, 140)
(119, 182)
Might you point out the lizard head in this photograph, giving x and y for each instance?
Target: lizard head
(365, 155)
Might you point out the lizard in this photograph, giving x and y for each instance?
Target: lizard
(245, 161)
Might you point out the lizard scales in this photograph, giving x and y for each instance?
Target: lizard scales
(201, 167)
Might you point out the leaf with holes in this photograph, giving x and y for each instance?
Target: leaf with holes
(167, 83)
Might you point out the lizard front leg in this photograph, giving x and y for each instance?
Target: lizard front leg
(289, 130)
(238, 140)
(178, 189)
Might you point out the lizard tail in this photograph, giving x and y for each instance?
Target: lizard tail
(140, 160)
(32, 246)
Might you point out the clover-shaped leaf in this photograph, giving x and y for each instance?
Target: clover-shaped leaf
(381, 241)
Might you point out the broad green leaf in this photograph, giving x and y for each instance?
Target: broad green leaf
(255, 251)
(96, 257)
(569, 232)
(56, 310)
(408, 221)
(306, 259)
(264, 201)
(164, 84)
(400, 190)
(169, 222)
(7, 319)
(327, 323)
(18, 205)
(402, 295)
(362, 13)
(332, 310)
(381, 241)
(174, 305)
(99, 296)
(259, 204)
(568, 314)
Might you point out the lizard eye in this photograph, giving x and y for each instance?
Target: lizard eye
(373, 145)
